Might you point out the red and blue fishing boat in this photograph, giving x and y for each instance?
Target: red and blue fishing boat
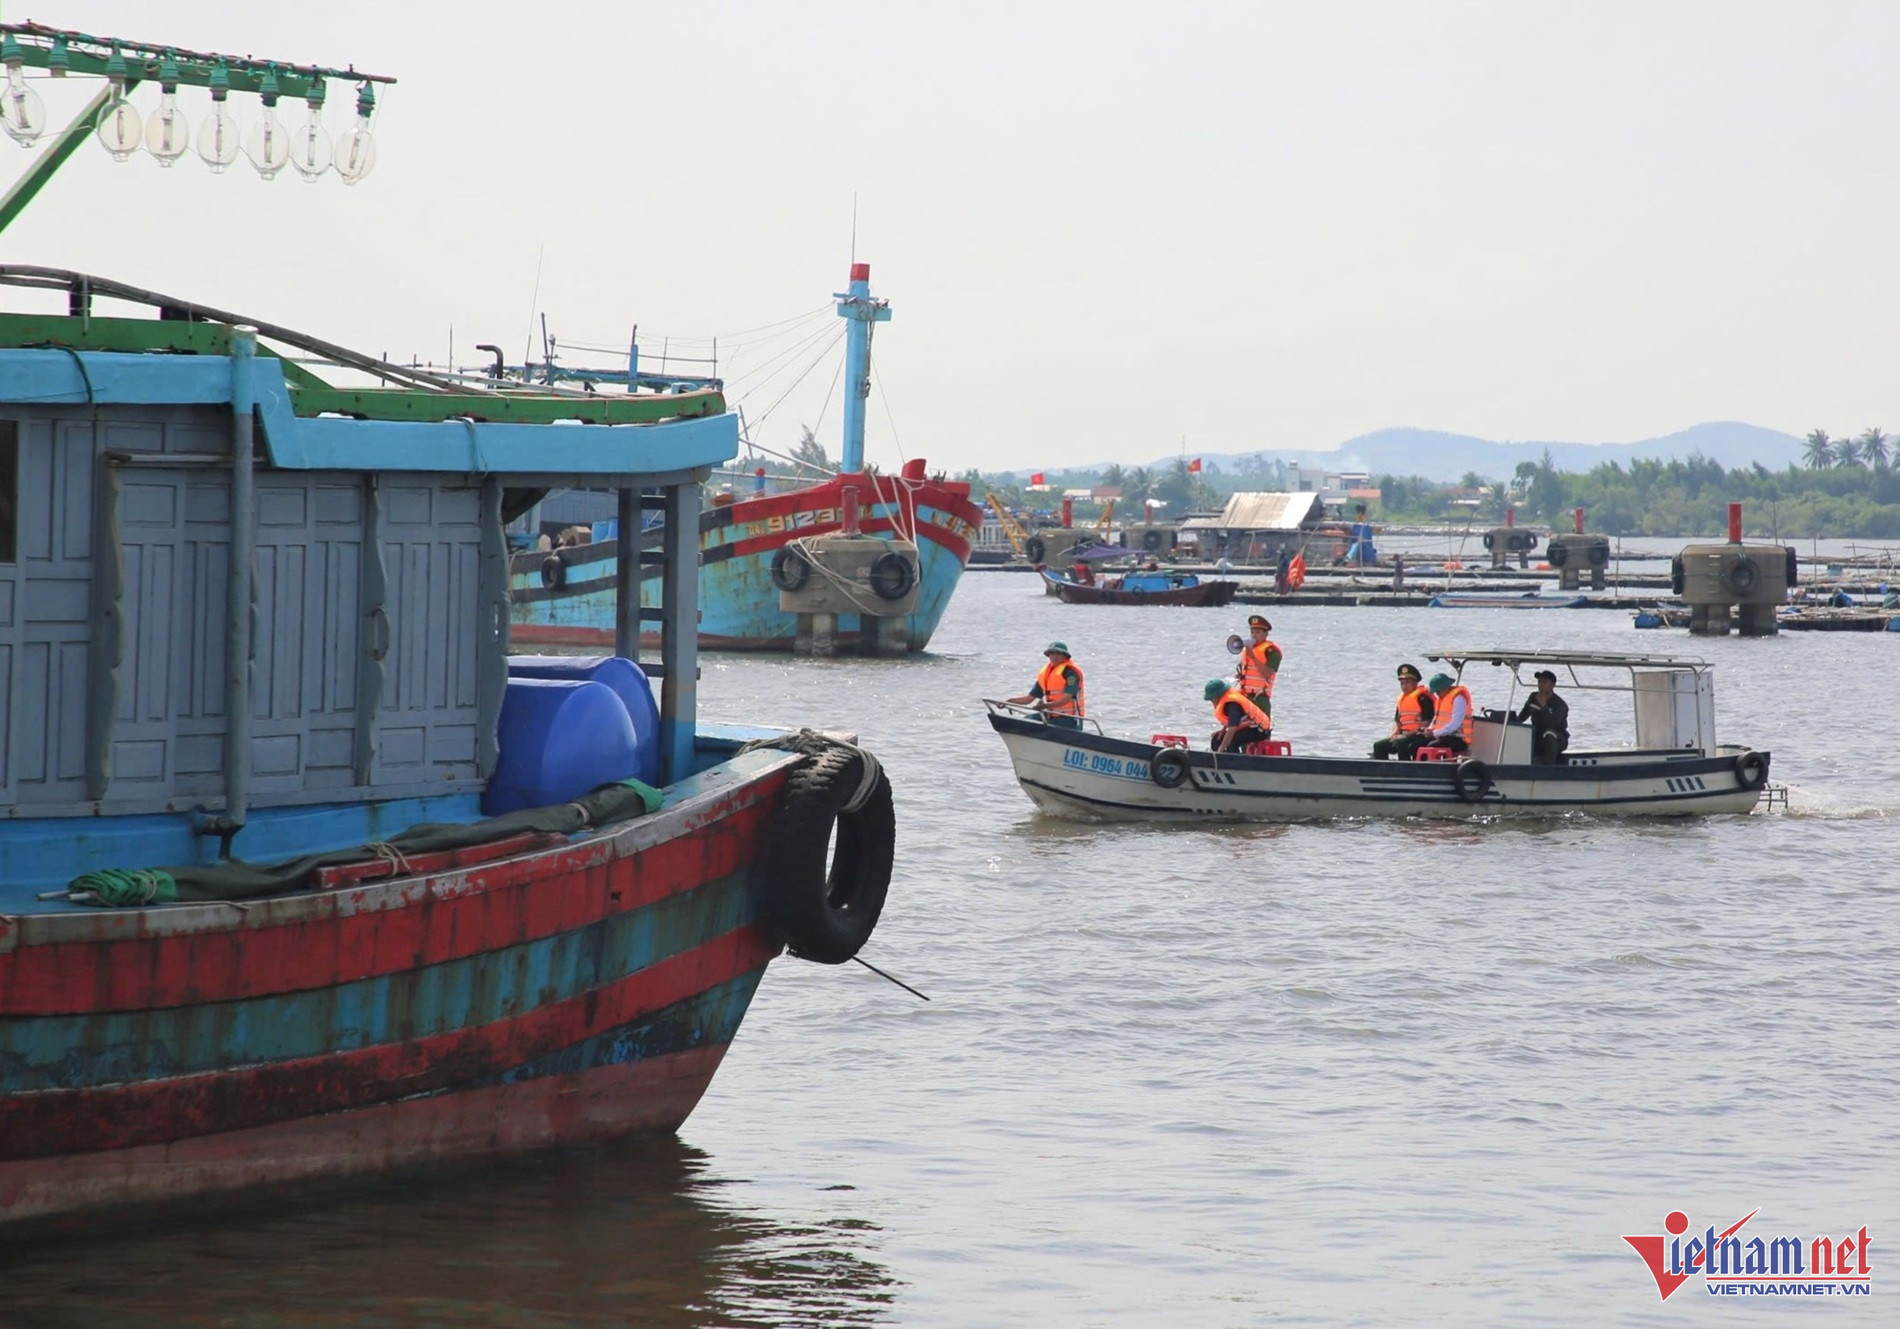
(561, 595)
(302, 873)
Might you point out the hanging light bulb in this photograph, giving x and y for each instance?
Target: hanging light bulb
(310, 148)
(167, 132)
(22, 113)
(268, 143)
(219, 136)
(356, 150)
(120, 124)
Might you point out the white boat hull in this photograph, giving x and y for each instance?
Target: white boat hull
(1075, 773)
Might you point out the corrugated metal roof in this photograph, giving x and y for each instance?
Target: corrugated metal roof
(1269, 512)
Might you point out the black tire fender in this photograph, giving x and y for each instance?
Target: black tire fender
(826, 910)
(1490, 540)
(553, 572)
(1169, 769)
(1598, 554)
(1469, 779)
(1742, 576)
(790, 569)
(1559, 554)
(1034, 549)
(892, 576)
(1751, 770)
(1151, 541)
(1794, 566)
(1676, 575)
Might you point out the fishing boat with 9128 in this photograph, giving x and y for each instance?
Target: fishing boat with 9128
(1673, 767)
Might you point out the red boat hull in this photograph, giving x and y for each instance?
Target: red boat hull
(565, 995)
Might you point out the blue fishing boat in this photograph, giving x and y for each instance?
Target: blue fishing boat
(752, 550)
(302, 873)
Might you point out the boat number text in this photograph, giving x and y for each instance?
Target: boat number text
(1097, 764)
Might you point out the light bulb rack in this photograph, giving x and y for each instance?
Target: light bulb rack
(124, 64)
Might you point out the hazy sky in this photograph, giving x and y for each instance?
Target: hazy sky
(1105, 228)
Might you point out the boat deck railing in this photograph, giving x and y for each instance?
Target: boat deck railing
(1036, 713)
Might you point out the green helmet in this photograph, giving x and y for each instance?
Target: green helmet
(1215, 686)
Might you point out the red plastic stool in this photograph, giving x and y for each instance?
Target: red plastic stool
(1434, 754)
(1269, 747)
(1169, 740)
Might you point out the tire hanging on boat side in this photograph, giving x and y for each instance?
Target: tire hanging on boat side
(1751, 770)
(826, 910)
(1034, 549)
(892, 576)
(790, 569)
(1169, 769)
(1469, 779)
(553, 572)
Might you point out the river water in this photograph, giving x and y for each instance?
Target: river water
(1363, 1073)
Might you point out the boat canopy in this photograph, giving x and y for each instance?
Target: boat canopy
(1576, 659)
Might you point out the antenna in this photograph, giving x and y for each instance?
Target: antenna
(854, 226)
(534, 305)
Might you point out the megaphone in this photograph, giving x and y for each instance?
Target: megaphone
(1234, 644)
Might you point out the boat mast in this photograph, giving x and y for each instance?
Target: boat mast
(857, 305)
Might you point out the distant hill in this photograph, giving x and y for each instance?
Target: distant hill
(1441, 456)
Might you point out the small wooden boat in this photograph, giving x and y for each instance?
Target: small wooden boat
(1674, 767)
(1141, 588)
(1505, 600)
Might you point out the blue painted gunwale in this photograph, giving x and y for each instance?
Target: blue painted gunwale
(51, 377)
(37, 853)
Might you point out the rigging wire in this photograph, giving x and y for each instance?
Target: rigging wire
(788, 356)
(826, 350)
(837, 374)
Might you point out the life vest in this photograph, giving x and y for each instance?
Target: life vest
(1258, 717)
(1255, 678)
(1446, 705)
(1411, 711)
(1055, 695)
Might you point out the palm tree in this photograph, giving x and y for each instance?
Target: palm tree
(1846, 454)
(1820, 452)
(1139, 484)
(1114, 476)
(1874, 449)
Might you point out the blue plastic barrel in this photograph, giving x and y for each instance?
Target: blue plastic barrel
(559, 738)
(629, 683)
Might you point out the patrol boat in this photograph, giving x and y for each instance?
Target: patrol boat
(1673, 767)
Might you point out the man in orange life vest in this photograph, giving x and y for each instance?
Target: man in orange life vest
(1057, 691)
(1411, 719)
(1259, 665)
(1454, 715)
(1241, 722)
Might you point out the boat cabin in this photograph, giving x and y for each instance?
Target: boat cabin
(1671, 701)
(248, 611)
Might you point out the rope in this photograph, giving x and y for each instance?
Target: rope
(397, 860)
(124, 886)
(809, 743)
(852, 591)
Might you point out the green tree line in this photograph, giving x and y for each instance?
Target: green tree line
(1845, 488)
